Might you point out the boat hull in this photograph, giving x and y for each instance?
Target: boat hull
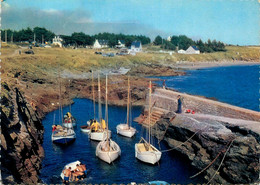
(85, 129)
(124, 130)
(108, 156)
(150, 157)
(63, 138)
(99, 136)
(73, 166)
(69, 125)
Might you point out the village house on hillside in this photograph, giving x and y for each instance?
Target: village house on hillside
(136, 46)
(192, 50)
(100, 44)
(121, 44)
(181, 51)
(57, 41)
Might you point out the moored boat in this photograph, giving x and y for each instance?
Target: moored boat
(60, 133)
(98, 129)
(107, 150)
(145, 151)
(125, 129)
(73, 168)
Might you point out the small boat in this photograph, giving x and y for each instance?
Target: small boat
(69, 120)
(145, 151)
(86, 128)
(73, 166)
(60, 133)
(158, 183)
(125, 129)
(107, 150)
(63, 135)
(100, 133)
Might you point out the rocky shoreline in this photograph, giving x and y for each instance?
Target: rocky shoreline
(28, 97)
(206, 143)
(220, 140)
(21, 139)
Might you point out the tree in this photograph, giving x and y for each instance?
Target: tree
(168, 45)
(158, 40)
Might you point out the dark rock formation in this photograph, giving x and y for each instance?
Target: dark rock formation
(208, 139)
(21, 138)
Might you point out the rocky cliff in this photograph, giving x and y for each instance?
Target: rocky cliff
(21, 138)
(223, 152)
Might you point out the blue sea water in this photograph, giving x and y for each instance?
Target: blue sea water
(236, 85)
(172, 167)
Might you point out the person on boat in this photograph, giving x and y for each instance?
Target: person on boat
(94, 126)
(103, 124)
(54, 127)
(77, 173)
(180, 101)
(83, 166)
(67, 174)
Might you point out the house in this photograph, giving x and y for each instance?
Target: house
(192, 50)
(169, 39)
(181, 51)
(100, 44)
(57, 41)
(121, 44)
(136, 46)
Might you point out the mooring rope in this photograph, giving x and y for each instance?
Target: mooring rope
(184, 141)
(221, 162)
(211, 161)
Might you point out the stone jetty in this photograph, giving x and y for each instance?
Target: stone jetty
(220, 140)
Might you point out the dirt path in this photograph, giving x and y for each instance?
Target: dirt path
(250, 125)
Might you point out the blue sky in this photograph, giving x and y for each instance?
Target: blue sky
(230, 21)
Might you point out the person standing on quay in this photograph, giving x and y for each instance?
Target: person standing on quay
(179, 110)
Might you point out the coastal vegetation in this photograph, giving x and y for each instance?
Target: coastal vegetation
(39, 35)
(184, 42)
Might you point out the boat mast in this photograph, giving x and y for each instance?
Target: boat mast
(128, 98)
(60, 102)
(93, 91)
(106, 116)
(69, 94)
(99, 103)
(149, 111)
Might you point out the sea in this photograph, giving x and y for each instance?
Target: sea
(237, 85)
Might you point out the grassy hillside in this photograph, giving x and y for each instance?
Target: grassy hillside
(47, 61)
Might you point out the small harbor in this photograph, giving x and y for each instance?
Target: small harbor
(171, 168)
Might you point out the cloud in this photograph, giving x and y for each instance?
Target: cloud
(67, 22)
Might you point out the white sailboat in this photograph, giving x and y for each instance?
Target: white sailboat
(68, 120)
(125, 129)
(107, 150)
(99, 133)
(61, 134)
(86, 128)
(145, 151)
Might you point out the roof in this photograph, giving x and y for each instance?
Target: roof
(136, 44)
(103, 42)
(195, 48)
(122, 41)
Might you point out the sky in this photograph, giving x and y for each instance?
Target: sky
(229, 21)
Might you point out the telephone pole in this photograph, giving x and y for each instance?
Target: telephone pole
(42, 39)
(12, 38)
(6, 36)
